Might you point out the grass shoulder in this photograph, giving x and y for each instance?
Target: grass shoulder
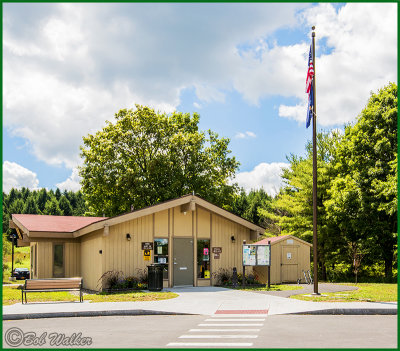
(12, 295)
(366, 292)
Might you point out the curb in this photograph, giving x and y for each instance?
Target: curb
(18, 316)
(351, 311)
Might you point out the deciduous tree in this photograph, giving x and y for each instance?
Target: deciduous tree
(147, 157)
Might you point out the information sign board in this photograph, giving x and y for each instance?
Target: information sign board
(256, 255)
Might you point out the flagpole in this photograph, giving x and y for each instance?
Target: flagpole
(314, 119)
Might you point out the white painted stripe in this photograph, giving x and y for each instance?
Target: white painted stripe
(231, 324)
(226, 329)
(205, 344)
(227, 336)
(239, 320)
(239, 316)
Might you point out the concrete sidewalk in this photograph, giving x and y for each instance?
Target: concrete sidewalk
(197, 300)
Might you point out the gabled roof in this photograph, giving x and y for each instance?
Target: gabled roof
(55, 224)
(166, 205)
(73, 227)
(277, 239)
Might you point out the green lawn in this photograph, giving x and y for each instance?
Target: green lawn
(370, 292)
(12, 295)
(21, 260)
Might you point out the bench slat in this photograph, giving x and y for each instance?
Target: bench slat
(40, 284)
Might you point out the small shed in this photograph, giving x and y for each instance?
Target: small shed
(290, 256)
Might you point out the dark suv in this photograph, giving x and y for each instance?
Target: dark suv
(21, 273)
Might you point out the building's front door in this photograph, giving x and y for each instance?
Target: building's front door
(183, 261)
(289, 264)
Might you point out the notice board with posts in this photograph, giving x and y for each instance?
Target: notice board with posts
(256, 255)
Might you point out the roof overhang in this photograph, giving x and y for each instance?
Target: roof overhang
(187, 202)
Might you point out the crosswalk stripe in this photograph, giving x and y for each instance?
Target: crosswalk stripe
(239, 320)
(231, 324)
(224, 336)
(223, 316)
(225, 329)
(205, 344)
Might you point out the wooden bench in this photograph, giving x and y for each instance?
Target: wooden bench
(53, 284)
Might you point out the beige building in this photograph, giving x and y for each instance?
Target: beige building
(290, 256)
(191, 237)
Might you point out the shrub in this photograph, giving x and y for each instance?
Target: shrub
(222, 276)
(110, 279)
(142, 275)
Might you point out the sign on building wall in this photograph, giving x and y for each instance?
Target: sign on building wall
(147, 255)
(256, 255)
(147, 246)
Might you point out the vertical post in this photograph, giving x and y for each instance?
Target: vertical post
(12, 255)
(315, 240)
(244, 268)
(269, 266)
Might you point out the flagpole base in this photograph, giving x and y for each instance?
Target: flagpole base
(316, 294)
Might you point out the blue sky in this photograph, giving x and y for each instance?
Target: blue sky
(67, 68)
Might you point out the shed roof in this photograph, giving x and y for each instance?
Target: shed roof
(56, 224)
(276, 239)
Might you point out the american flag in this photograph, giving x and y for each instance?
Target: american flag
(310, 72)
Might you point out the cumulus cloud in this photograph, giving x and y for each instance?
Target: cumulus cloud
(72, 182)
(264, 175)
(361, 57)
(16, 176)
(69, 67)
(245, 135)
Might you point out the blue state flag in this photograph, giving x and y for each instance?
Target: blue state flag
(310, 106)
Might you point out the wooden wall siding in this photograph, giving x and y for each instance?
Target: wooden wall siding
(303, 262)
(125, 256)
(161, 224)
(45, 260)
(203, 282)
(72, 263)
(231, 256)
(276, 254)
(203, 223)
(182, 222)
(91, 260)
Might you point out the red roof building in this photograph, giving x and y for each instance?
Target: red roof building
(54, 224)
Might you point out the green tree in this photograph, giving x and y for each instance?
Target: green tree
(363, 198)
(57, 194)
(248, 205)
(52, 208)
(65, 206)
(292, 210)
(42, 198)
(148, 157)
(30, 206)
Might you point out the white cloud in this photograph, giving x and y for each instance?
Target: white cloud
(264, 175)
(363, 58)
(72, 182)
(70, 67)
(245, 135)
(16, 176)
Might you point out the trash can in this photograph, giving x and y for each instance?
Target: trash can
(155, 277)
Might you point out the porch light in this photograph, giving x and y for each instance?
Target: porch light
(233, 239)
(128, 237)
